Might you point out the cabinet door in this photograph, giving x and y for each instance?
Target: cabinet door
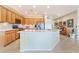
(17, 34)
(32, 21)
(35, 21)
(13, 33)
(26, 21)
(0, 15)
(7, 39)
(9, 16)
(13, 18)
(22, 21)
(3, 14)
(13, 36)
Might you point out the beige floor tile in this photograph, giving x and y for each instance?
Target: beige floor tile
(11, 48)
(67, 45)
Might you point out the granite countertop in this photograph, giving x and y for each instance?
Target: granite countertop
(6, 29)
(47, 30)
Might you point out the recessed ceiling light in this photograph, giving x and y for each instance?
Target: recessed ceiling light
(48, 6)
(34, 6)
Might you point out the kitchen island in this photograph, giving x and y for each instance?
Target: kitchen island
(38, 40)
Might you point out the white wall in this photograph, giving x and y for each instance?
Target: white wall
(72, 15)
(48, 22)
(77, 24)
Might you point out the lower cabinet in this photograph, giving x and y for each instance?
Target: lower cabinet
(17, 35)
(7, 38)
(13, 35)
(10, 36)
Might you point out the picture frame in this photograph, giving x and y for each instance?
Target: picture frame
(70, 23)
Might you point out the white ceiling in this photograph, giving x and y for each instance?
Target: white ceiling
(40, 10)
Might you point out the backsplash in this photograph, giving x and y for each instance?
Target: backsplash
(5, 26)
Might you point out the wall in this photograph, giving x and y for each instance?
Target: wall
(72, 15)
(48, 22)
(77, 37)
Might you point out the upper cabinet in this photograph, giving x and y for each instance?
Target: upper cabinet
(9, 18)
(33, 20)
(2, 14)
(22, 20)
(7, 15)
(13, 18)
(27, 21)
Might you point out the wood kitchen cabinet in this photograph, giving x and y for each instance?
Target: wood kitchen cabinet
(7, 15)
(29, 21)
(7, 39)
(17, 35)
(20, 18)
(26, 21)
(0, 15)
(13, 18)
(33, 20)
(3, 14)
(10, 36)
(22, 21)
(9, 19)
(13, 35)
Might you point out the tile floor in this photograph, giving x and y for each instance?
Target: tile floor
(67, 45)
(11, 48)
